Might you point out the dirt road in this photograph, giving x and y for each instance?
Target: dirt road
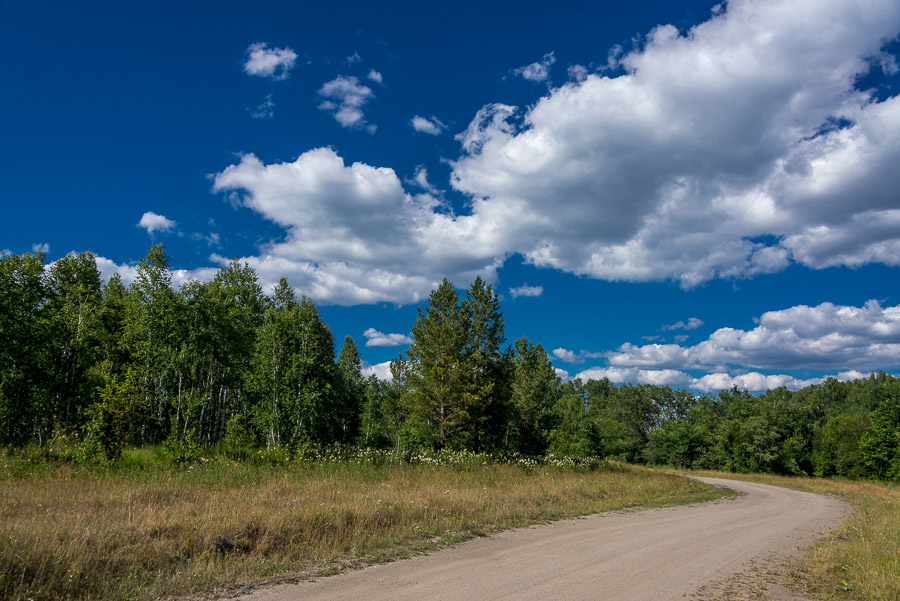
(643, 555)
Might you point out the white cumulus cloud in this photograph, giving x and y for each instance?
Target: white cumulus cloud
(574, 358)
(733, 149)
(826, 336)
(752, 381)
(578, 73)
(432, 126)
(274, 63)
(353, 234)
(538, 72)
(374, 76)
(152, 222)
(729, 150)
(420, 179)
(345, 98)
(382, 371)
(376, 338)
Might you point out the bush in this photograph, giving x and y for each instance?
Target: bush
(239, 441)
(105, 432)
(183, 446)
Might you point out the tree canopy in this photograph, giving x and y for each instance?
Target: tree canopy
(221, 363)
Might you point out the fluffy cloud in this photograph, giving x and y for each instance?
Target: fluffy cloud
(538, 72)
(275, 63)
(376, 338)
(574, 358)
(382, 371)
(152, 222)
(728, 151)
(432, 126)
(733, 149)
(353, 234)
(374, 76)
(668, 377)
(108, 267)
(345, 98)
(826, 336)
(420, 179)
(752, 381)
(567, 356)
(526, 290)
(692, 324)
(578, 73)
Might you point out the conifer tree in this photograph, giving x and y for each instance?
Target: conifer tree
(352, 390)
(484, 336)
(437, 391)
(533, 393)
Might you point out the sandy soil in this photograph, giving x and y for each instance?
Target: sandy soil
(691, 551)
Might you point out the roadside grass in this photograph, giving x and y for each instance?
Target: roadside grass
(860, 560)
(144, 529)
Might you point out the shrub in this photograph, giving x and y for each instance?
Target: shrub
(239, 440)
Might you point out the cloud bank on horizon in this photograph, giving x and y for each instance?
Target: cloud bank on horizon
(849, 341)
(736, 148)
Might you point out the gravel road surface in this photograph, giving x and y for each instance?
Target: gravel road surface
(651, 555)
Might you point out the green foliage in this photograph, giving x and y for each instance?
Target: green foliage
(880, 446)
(239, 441)
(352, 391)
(836, 450)
(107, 421)
(74, 309)
(87, 369)
(679, 443)
(24, 334)
(436, 384)
(293, 374)
(533, 396)
(381, 415)
(182, 446)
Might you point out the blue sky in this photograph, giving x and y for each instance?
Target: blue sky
(686, 193)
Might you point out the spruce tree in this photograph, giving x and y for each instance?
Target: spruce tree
(437, 393)
(484, 336)
(352, 390)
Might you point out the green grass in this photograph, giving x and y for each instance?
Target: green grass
(143, 529)
(859, 561)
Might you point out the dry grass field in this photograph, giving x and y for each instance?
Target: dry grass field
(144, 529)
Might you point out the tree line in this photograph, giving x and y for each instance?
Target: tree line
(219, 363)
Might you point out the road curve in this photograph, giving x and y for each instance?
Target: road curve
(649, 555)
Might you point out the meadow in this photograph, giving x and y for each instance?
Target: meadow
(143, 528)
